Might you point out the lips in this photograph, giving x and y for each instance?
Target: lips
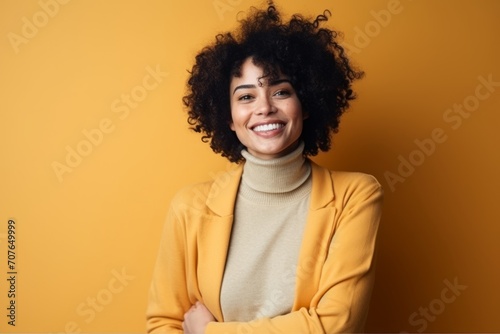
(268, 127)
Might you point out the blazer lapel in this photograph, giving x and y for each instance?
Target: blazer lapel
(214, 236)
(317, 236)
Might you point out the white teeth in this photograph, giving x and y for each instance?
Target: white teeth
(268, 127)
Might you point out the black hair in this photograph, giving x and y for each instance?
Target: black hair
(307, 53)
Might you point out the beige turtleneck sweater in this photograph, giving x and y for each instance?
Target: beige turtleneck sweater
(270, 214)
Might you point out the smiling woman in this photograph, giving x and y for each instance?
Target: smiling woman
(285, 245)
(267, 118)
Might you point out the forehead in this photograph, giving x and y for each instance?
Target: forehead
(250, 73)
(248, 70)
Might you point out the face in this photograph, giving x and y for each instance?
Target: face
(266, 117)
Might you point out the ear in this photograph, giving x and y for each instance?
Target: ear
(305, 115)
(231, 126)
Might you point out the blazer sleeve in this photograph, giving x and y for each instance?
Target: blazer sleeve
(341, 302)
(168, 295)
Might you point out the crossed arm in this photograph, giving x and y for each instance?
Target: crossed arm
(340, 301)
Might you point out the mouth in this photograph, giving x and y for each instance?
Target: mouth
(268, 127)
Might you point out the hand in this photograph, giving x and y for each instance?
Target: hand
(196, 319)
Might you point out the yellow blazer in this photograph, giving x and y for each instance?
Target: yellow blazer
(336, 262)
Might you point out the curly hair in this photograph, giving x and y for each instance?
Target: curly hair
(309, 55)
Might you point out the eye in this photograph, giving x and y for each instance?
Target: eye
(282, 93)
(245, 97)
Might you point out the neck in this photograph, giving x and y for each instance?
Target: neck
(279, 175)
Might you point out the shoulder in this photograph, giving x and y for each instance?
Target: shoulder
(200, 196)
(192, 196)
(354, 180)
(348, 185)
(354, 188)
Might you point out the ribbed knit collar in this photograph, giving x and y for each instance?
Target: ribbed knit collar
(276, 176)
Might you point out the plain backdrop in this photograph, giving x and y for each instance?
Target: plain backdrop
(94, 143)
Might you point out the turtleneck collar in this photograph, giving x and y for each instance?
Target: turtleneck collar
(280, 175)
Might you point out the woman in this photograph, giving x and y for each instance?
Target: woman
(278, 244)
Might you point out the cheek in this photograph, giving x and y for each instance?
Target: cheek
(239, 117)
(295, 109)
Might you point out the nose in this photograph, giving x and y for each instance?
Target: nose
(265, 106)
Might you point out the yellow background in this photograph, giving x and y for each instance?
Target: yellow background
(104, 217)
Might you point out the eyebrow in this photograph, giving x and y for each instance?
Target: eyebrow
(273, 83)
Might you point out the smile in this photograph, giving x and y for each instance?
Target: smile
(268, 127)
